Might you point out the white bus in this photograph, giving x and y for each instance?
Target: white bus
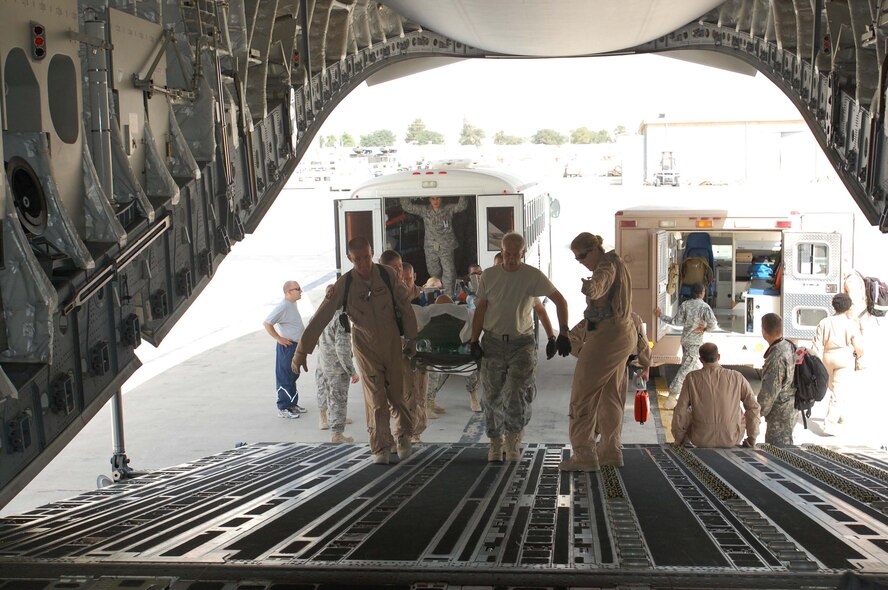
(788, 263)
(498, 203)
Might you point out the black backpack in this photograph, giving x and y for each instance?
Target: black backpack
(876, 296)
(810, 381)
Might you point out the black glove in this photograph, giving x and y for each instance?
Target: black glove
(550, 348)
(476, 351)
(563, 345)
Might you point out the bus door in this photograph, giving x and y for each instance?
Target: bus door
(355, 218)
(662, 259)
(811, 277)
(497, 216)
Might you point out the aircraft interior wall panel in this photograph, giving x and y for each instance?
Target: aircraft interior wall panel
(20, 418)
(201, 232)
(182, 256)
(58, 18)
(97, 344)
(259, 163)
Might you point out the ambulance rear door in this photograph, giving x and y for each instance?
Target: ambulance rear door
(497, 216)
(811, 277)
(355, 218)
(662, 256)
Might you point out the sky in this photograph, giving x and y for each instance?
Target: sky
(522, 96)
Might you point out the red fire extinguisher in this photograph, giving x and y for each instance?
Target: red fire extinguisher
(642, 403)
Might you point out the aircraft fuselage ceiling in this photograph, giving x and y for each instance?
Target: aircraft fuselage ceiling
(141, 139)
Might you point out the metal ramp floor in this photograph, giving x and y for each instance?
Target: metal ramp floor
(289, 515)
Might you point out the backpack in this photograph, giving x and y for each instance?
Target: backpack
(810, 381)
(388, 283)
(695, 270)
(876, 296)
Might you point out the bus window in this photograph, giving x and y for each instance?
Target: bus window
(813, 258)
(808, 317)
(500, 221)
(358, 224)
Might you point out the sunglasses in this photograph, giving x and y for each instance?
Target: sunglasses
(581, 257)
(294, 289)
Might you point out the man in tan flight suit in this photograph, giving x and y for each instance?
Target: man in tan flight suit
(376, 341)
(416, 383)
(708, 411)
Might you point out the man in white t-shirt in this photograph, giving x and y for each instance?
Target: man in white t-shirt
(286, 317)
(508, 360)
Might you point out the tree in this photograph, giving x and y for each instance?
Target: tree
(332, 141)
(471, 135)
(347, 140)
(379, 138)
(602, 136)
(414, 130)
(619, 130)
(500, 138)
(582, 135)
(548, 137)
(426, 137)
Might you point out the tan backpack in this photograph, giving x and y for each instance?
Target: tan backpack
(696, 270)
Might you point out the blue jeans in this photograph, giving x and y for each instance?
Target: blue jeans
(285, 377)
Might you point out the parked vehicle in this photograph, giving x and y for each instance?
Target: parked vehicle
(788, 263)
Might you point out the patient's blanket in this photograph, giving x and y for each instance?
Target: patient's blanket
(430, 328)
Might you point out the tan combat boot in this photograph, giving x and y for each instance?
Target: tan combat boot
(338, 437)
(582, 459)
(430, 410)
(495, 454)
(322, 419)
(473, 401)
(438, 409)
(513, 445)
(404, 448)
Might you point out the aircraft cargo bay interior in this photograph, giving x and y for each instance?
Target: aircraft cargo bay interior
(626, 330)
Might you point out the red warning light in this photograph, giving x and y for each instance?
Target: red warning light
(38, 41)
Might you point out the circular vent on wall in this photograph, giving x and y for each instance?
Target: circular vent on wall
(27, 193)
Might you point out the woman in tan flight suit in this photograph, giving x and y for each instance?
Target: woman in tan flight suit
(596, 399)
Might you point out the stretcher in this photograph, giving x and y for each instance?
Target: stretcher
(446, 352)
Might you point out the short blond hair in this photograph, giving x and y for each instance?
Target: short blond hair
(587, 242)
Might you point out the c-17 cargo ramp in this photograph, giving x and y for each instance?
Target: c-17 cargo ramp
(322, 515)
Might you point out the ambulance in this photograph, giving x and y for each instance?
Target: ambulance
(759, 262)
(498, 203)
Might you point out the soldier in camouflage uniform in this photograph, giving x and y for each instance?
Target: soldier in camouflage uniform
(777, 394)
(333, 374)
(508, 359)
(695, 316)
(440, 241)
